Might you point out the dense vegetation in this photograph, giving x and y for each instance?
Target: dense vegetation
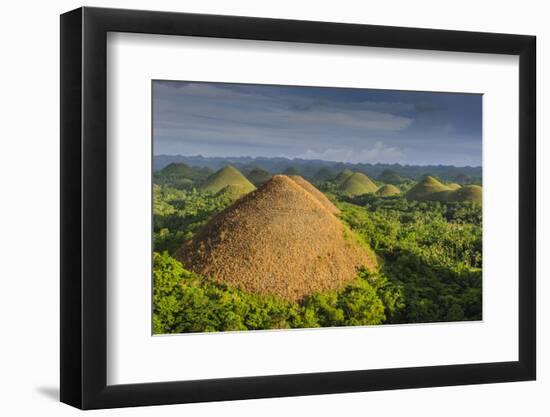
(431, 250)
(429, 255)
(185, 302)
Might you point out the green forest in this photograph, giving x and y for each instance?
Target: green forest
(424, 232)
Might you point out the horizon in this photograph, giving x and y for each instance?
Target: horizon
(221, 120)
(311, 160)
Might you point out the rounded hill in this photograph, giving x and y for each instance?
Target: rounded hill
(233, 191)
(258, 176)
(176, 169)
(179, 171)
(278, 240)
(342, 176)
(227, 176)
(388, 190)
(426, 189)
(358, 184)
(468, 193)
(432, 190)
(390, 177)
(453, 186)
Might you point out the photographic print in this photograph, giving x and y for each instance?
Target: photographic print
(287, 207)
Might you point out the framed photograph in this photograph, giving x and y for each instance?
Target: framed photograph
(257, 208)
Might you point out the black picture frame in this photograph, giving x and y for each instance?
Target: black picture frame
(84, 207)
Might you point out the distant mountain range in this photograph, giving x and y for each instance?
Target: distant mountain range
(314, 168)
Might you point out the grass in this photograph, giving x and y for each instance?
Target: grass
(234, 191)
(468, 193)
(388, 190)
(426, 189)
(343, 176)
(227, 176)
(358, 184)
(177, 170)
(453, 186)
(430, 189)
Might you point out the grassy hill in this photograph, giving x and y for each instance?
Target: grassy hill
(234, 191)
(258, 176)
(342, 176)
(227, 176)
(426, 189)
(432, 190)
(181, 175)
(388, 190)
(453, 186)
(468, 193)
(308, 168)
(179, 170)
(390, 177)
(358, 184)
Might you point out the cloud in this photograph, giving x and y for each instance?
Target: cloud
(188, 103)
(377, 153)
(207, 119)
(352, 125)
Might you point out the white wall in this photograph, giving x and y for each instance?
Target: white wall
(29, 211)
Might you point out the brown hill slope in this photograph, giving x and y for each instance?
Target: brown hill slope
(277, 240)
(310, 188)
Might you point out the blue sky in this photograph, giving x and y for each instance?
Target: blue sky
(334, 124)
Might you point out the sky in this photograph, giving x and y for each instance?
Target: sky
(333, 124)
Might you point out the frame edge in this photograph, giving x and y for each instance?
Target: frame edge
(70, 214)
(83, 210)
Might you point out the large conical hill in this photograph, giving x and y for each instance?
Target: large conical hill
(278, 240)
(228, 175)
(321, 198)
